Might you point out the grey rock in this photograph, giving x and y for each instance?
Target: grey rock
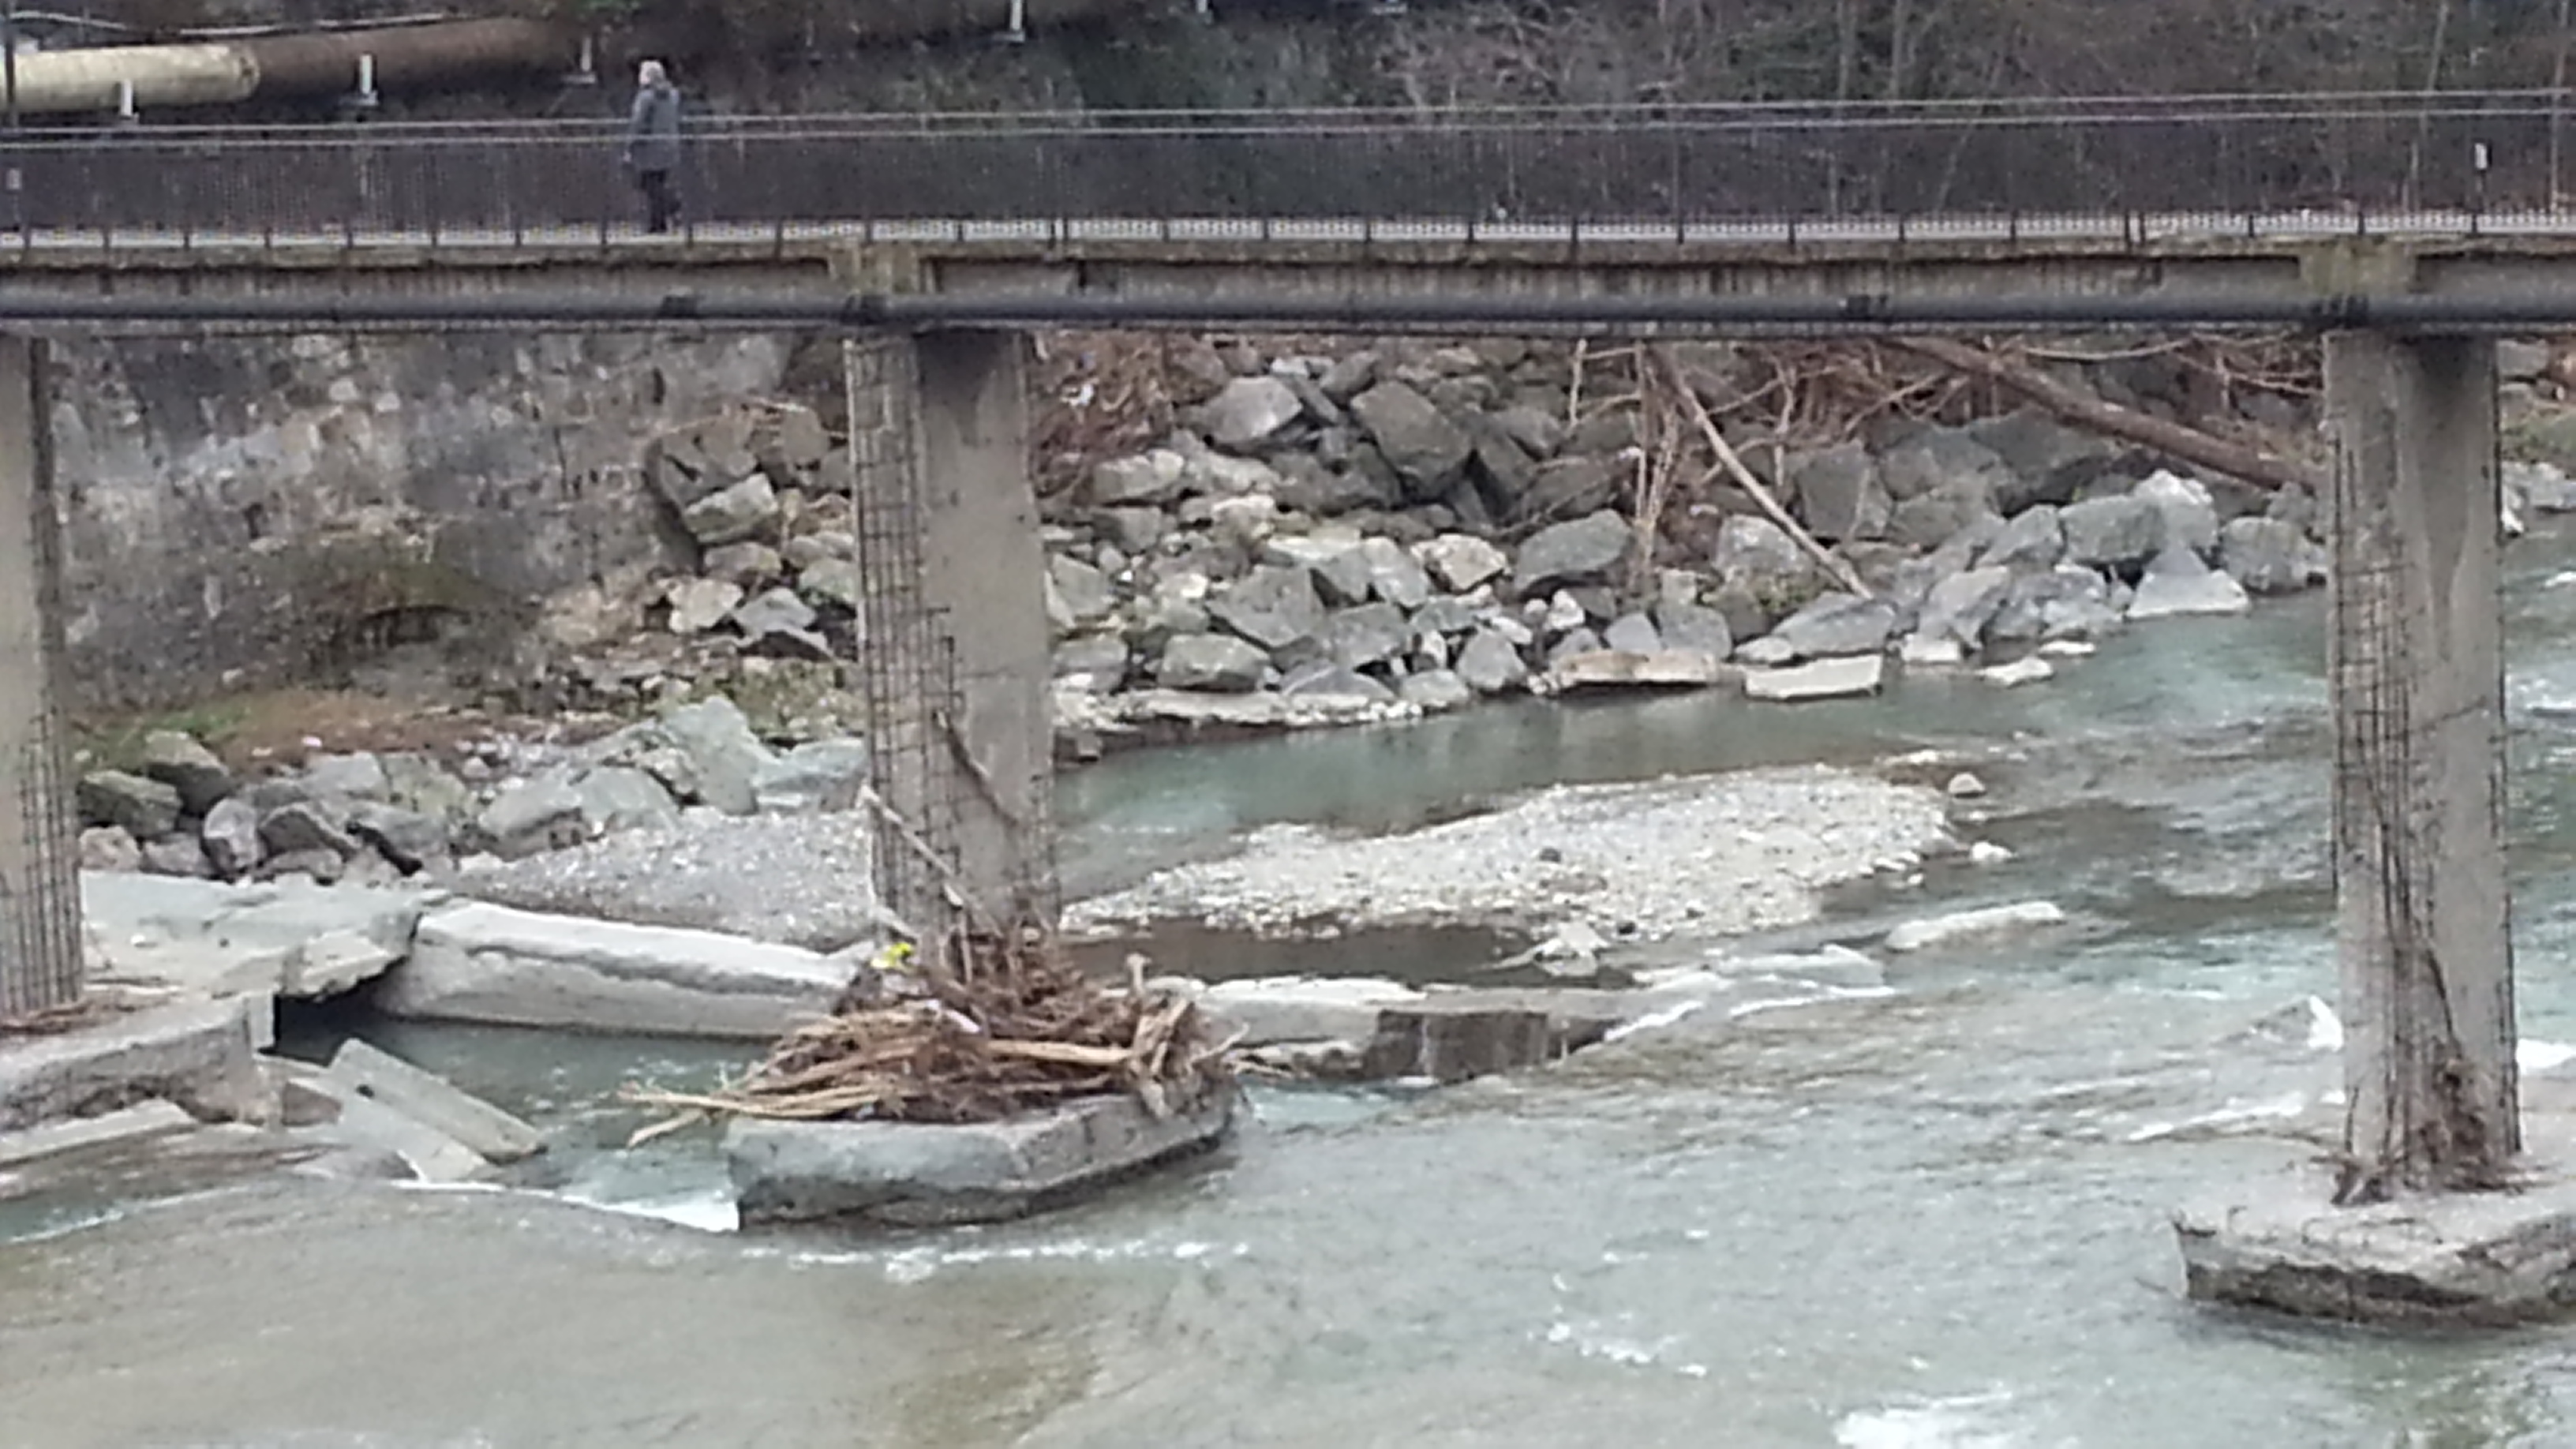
(1333, 681)
(2544, 486)
(1507, 468)
(1580, 483)
(1348, 376)
(407, 838)
(1959, 607)
(719, 739)
(1249, 412)
(1839, 493)
(2269, 555)
(1461, 561)
(1274, 606)
(1077, 595)
(2031, 540)
(1837, 624)
(1758, 557)
(1540, 434)
(347, 777)
(744, 563)
(1619, 669)
(1695, 627)
(1490, 665)
(1341, 570)
(2521, 361)
(294, 829)
(620, 797)
(779, 611)
(2191, 518)
(2177, 582)
(1632, 634)
(322, 867)
(1394, 575)
(1096, 663)
(698, 605)
(2048, 461)
(178, 855)
(144, 809)
(730, 515)
(1213, 662)
(537, 816)
(1928, 520)
(1574, 645)
(1426, 449)
(1578, 551)
(177, 760)
(231, 837)
(2120, 532)
(109, 848)
(2067, 602)
(834, 581)
(1445, 614)
(1944, 460)
(1134, 529)
(1435, 691)
(818, 777)
(1149, 479)
(1367, 634)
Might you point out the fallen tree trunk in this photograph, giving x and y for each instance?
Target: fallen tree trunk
(2073, 405)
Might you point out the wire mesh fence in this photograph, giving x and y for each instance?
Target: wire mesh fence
(2208, 156)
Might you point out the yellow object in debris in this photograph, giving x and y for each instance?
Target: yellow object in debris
(897, 957)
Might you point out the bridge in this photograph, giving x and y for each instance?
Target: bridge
(2402, 228)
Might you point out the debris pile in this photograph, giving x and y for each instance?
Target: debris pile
(1003, 1026)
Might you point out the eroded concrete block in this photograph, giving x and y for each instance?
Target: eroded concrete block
(364, 1129)
(209, 938)
(1450, 1038)
(199, 1055)
(2453, 1259)
(492, 964)
(430, 1099)
(911, 1175)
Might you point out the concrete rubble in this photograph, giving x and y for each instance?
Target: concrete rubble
(915, 1175)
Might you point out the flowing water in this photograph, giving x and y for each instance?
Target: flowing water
(1931, 1218)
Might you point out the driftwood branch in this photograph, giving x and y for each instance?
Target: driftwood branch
(1839, 568)
(2111, 420)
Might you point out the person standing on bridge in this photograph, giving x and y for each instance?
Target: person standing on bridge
(653, 145)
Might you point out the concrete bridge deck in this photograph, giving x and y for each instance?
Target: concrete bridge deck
(1193, 271)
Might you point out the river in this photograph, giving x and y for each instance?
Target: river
(1932, 1218)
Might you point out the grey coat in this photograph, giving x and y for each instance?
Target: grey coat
(653, 131)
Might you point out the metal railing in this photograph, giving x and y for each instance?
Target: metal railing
(2218, 156)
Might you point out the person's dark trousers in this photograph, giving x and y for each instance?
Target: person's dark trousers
(661, 202)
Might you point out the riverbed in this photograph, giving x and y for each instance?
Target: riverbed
(1930, 1217)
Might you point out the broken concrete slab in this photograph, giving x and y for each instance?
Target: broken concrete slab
(2454, 1259)
(139, 1123)
(496, 965)
(1838, 678)
(210, 938)
(1271, 1010)
(1454, 1037)
(904, 1174)
(340, 1114)
(425, 1097)
(197, 1054)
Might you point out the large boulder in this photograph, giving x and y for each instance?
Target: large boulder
(144, 809)
(2177, 582)
(1831, 625)
(1839, 493)
(1759, 558)
(177, 760)
(2045, 460)
(2269, 555)
(1423, 446)
(1943, 460)
(2113, 533)
(1958, 608)
(1216, 663)
(2191, 517)
(730, 515)
(1367, 634)
(718, 739)
(1582, 550)
(1250, 412)
(1490, 664)
(2031, 539)
(2067, 602)
(1461, 561)
(1274, 606)
(1146, 479)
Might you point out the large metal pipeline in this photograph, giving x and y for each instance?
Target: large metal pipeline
(217, 73)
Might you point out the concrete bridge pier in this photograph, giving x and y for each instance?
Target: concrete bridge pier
(954, 659)
(40, 936)
(2405, 1224)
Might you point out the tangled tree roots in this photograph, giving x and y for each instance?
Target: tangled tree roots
(996, 1029)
